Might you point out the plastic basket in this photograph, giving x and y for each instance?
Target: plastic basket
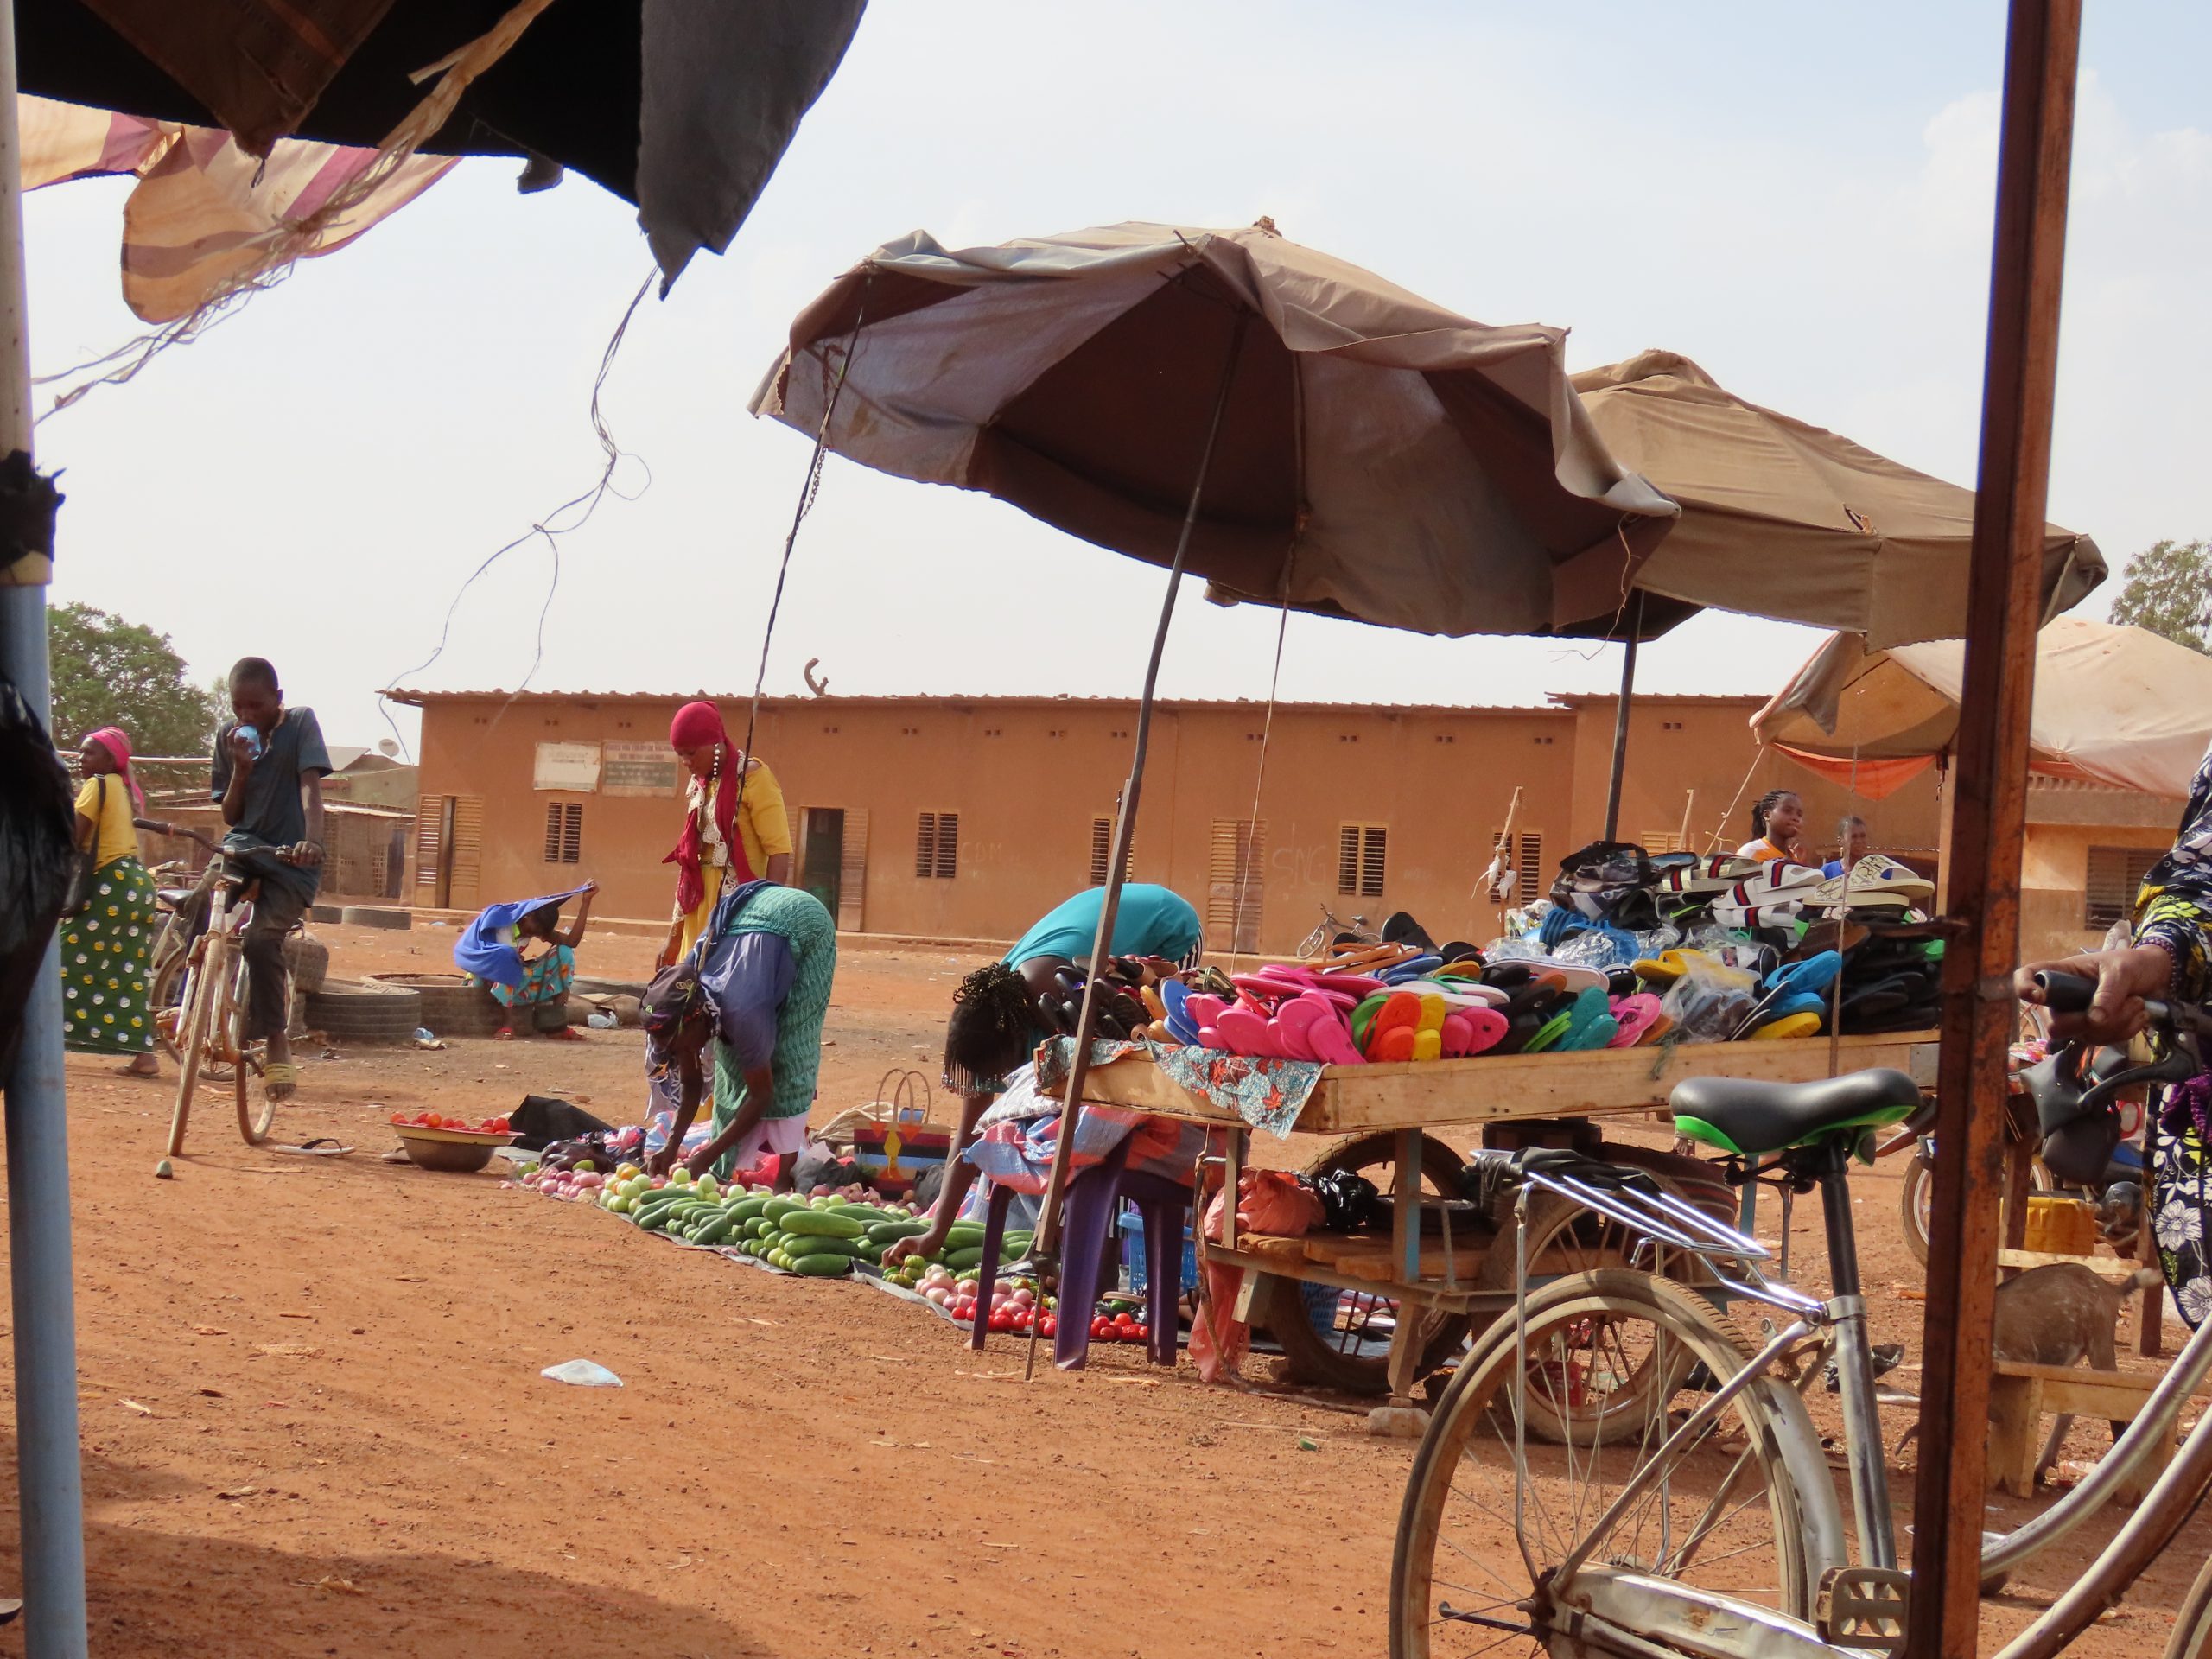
(1133, 1260)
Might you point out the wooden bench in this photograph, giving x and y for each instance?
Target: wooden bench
(2021, 1395)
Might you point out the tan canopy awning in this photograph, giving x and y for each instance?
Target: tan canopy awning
(1783, 519)
(2112, 705)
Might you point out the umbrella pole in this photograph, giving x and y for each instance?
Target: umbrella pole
(51, 1498)
(1620, 716)
(1048, 1220)
(2042, 50)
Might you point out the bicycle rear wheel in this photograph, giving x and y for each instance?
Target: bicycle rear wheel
(2192, 1636)
(192, 1039)
(1526, 1454)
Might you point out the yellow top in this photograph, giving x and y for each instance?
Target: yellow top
(115, 838)
(763, 826)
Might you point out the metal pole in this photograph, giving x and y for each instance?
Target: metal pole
(1989, 804)
(1620, 716)
(1048, 1219)
(52, 1497)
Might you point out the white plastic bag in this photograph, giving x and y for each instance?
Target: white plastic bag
(583, 1373)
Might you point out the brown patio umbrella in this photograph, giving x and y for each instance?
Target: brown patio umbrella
(1379, 457)
(1781, 518)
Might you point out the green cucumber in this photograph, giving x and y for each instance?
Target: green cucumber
(822, 1223)
(777, 1208)
(889, 1233)
(755, 1228)
(809, 1244)
(821, 1265)
(715, 1231)
(746, 1209)
(961, 1261)
(962, 1235)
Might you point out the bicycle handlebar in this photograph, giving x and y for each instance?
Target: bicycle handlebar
(160, 828)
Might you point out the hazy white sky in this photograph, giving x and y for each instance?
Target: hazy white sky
(1799, 198)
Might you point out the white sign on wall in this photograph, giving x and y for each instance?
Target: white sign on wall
(570, 766)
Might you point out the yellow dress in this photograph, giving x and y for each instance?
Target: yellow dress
(764, 828)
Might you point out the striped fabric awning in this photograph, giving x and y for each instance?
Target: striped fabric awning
(208, 217)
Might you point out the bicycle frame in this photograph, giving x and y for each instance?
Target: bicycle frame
(1644, 1616)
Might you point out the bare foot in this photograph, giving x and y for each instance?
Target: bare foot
(144, 1066)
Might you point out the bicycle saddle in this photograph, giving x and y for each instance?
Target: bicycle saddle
(1752, 1118)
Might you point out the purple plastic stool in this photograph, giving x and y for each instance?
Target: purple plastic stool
(1094, 1197)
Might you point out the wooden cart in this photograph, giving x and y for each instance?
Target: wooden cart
(1408, 1100)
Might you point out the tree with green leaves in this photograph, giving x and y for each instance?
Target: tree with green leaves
(110, 672)
(2168, 590)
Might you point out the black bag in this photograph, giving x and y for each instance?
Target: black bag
(80, 878)
(2077, 1146)
(541, 1120)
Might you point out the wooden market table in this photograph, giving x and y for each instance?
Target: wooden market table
(1412, 1098)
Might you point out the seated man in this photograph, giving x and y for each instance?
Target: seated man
(534, 988)
(758, 981)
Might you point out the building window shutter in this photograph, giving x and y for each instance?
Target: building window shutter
(468, 850)
(429, 847)
(1236, 885)
(1102, 851)
(948, 846)
(2115, 876)
(1362, 858)
(936, 846)
(564, 832)
(1531, 868)
(852, 873)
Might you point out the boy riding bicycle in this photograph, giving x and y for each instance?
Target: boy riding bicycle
(269, 766)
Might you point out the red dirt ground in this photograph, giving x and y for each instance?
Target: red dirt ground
(313, 1424)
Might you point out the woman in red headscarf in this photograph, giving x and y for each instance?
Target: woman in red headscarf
(108, 947)
(720, 843)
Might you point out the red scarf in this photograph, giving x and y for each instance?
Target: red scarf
(696, 725)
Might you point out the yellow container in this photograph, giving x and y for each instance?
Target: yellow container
(2060, 1226)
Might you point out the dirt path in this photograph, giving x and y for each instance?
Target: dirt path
(314, 1423)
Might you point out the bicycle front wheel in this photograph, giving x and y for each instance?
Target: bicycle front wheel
(2192, 1636)
(192, 1037)
(253, 1121)
(1508, 1536)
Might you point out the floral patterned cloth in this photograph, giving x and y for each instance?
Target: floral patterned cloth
(2174, 910)
(1267, 1094)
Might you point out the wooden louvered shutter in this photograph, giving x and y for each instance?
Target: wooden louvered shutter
(852, 872)
(430, 848)
(1235, 884)
(948, 846)
(467, 867)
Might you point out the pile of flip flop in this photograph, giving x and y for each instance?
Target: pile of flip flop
(1405, 1004)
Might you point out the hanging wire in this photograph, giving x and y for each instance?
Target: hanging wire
(807, 494)
(1714, 841)
(552, 527)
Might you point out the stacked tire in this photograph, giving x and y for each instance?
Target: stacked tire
(365, 1012)
(451, 1005)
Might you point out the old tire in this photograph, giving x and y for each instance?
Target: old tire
(308, 960)
(451, 1006)
(362, 1011)
(377, 916)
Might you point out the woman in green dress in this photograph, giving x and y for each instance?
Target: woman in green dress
(108, 947)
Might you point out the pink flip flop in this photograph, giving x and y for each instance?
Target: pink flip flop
(1636, 1014)
(1247, 1033)
(1204, 1010)
(1326, 1033)
(1292, 1022)
(1485, 1028)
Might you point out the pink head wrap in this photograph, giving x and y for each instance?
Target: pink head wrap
(111, 739)
(696, 725)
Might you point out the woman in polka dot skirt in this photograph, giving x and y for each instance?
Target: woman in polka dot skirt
(107, 949)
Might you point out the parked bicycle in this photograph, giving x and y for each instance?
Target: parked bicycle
(1329, 931)
(1619, 1469)
(199, 990)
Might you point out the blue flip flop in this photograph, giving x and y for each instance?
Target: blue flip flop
(1419, 968)
(1589, 1021)
(1815, 974)
(1175, 996)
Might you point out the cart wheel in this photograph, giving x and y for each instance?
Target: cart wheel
(1329, 1359)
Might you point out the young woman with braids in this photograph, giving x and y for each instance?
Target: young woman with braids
(996, 1023)
(1777, 816)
